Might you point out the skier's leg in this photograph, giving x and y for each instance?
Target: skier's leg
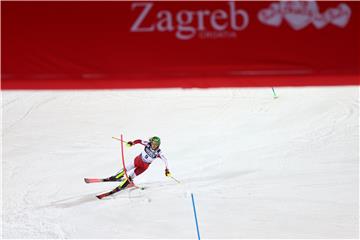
(140, 167)
(131, 174)
(123, 184)
(119, 175)
(130, 171)
(140, 170)
(130, 166)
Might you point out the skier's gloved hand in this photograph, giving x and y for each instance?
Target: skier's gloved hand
(167, 173)
(130, 143)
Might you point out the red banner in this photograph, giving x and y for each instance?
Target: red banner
(179, 44)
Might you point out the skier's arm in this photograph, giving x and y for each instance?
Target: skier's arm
(137, 141)
(164, 159)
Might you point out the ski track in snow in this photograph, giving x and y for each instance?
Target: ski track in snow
(259, 167)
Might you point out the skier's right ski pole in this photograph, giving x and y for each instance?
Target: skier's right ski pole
(119, 139)
(122, 141)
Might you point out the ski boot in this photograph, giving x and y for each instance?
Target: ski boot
(116, 178)
(124, 183)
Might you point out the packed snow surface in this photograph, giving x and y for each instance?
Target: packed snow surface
(258, 167)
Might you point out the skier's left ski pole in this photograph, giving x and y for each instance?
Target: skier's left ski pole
(175, 179)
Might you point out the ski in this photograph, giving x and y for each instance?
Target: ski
(101, 196)
(115, 190)
(96, 180)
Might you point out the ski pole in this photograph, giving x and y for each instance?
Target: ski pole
(175, 179)
(119, 139)
(127, 145)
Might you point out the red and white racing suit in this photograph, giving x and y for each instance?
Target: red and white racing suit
(143, 161)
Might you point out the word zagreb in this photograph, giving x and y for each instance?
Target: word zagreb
(184, 20)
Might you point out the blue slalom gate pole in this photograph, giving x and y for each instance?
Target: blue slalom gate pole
(275, 96)
(196, 221)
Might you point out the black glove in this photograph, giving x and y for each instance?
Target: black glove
(167, 172)
(130, 143)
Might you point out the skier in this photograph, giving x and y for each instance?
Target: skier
(141, 162)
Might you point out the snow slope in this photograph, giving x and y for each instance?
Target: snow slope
(258, 167)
